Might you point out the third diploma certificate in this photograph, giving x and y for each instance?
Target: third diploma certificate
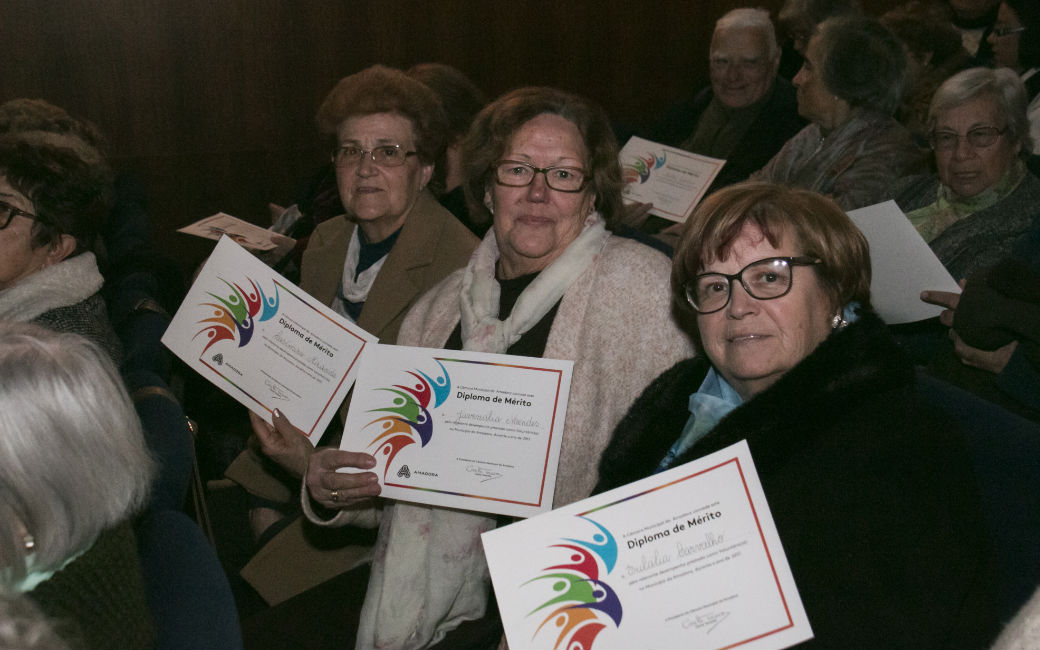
(461, 429)
(688, 558)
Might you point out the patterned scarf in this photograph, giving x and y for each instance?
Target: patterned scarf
(948, 208)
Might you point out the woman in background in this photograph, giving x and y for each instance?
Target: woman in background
(1016, 46)
(849, 86)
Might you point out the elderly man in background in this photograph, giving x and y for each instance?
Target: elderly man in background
(747, 113)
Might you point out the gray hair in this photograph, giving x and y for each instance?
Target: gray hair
(748, 18)
(73, 460)
(862, 62)
(1002, 83)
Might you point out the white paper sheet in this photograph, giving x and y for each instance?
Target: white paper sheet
(902, 265)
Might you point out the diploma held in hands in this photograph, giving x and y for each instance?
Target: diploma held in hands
(672, 179)
(459, 429)
(688, 558)
(265, 342)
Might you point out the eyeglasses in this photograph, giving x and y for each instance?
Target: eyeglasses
(763, 280)
(1001, 32)
(8, 212)
(722, 63)
(389, 155)
(978, 138)
(514, 173)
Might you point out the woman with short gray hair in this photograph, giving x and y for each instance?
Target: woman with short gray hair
(848, 87)
(982, 198)
(73, 469)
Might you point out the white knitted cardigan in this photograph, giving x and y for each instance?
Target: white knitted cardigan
(616, 323)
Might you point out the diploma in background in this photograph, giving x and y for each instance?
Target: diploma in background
(461, 429)
(672, 179)
(688, 558)
(903, 265)
(224, 225)
(265, 342)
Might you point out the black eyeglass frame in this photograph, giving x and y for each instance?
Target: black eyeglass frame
(585, 178)
(689, 289)
(371, 154)
(12, 212)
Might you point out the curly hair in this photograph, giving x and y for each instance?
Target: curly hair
(495, 126)
(24, 114)
(66, 181)
(379, 89)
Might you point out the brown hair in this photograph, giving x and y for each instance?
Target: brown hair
(495, 125)
(814, 224)
(379, 89)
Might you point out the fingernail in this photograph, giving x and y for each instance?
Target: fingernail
(277, 413)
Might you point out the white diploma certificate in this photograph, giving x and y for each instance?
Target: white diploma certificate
(461, 429)
(265, 342)
(672, 179)
(688, 558)
(902, 265)
(243, 232)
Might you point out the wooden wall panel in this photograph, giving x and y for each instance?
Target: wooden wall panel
(212, 102)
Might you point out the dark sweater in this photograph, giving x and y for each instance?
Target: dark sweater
(98, 601)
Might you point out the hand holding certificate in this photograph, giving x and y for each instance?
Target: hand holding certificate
(265, 342)
(461, 429)
(688, 558)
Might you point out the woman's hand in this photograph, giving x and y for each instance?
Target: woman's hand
(338, 490)
(283, 443)
(991, 361)
(946, 299)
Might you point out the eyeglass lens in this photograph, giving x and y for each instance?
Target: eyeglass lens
(8, 213)
(764, 279)
(979, 138)
(385, 156)
(520, 174)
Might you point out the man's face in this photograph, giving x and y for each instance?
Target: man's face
(741, 70)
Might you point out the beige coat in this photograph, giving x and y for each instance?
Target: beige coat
(432, 244)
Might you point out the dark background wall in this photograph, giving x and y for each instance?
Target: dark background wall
(212, 102)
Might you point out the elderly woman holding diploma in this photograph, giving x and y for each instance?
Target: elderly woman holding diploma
(870, 486)
(549, 280)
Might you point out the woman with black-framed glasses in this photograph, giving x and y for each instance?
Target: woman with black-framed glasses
(54, 195)
(794, 360)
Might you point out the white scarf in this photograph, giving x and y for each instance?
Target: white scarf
(430, 574)
(355, 289)
(482, 331)
(68, 282)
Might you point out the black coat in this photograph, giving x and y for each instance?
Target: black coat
(777, 123)
(871, 488)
